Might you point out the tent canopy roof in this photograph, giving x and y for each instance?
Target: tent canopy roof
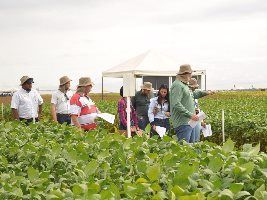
(150, 63)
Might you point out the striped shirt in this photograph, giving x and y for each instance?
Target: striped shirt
(85, 109)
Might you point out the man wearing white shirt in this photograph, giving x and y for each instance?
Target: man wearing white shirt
(60, 102)
(26, 103)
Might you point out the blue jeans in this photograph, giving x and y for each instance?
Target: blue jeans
(62, 118)
(196, 133)
(143, 121)
(184, 132)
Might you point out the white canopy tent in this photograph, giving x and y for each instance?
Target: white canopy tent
(150, 63)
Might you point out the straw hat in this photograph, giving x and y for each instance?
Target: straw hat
(184, 69)
(63, 80)
(193, 83)
(147, 86)
(24, 79)
(84, 81)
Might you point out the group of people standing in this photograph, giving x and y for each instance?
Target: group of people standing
(76, 109)
(179, 104)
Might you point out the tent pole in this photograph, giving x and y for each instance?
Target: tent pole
(102, 96)
(205, 82)
(128, 111)
(135, 83)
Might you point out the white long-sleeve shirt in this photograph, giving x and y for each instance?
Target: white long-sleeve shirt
(162, 109)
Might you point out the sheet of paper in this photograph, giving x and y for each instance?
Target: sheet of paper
(209, 128)
(201, 116)
(92, 118)
(161, 131)
(207, 131)
(107, 117)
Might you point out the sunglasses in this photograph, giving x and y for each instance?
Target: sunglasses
(67, 98)
(29, 82)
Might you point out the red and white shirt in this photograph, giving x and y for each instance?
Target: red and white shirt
(85, 109)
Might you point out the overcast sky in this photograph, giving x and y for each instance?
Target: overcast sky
(47, 39)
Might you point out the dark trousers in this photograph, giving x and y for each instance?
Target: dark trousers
(124, 128)
(160, 122)
(143, 121)
(63, 118)
(28, 121)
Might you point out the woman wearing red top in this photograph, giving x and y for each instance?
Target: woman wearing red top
(122, 105)
(82, 109)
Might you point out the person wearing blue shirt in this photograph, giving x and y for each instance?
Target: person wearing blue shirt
(193, 85)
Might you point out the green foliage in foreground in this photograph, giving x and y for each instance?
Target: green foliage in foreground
(50, 161)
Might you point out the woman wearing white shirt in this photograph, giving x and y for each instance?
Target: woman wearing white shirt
(159, 110)
(60, 102)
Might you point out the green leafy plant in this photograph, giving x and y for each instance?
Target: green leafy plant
(51, 161)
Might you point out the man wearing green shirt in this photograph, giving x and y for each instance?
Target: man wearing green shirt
(141, 102)
(182, 104)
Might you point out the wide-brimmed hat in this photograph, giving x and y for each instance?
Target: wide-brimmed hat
(24, 79)
(84, 81)
(63, 80)
(147, 86)
(185, 69)
(193, 83)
